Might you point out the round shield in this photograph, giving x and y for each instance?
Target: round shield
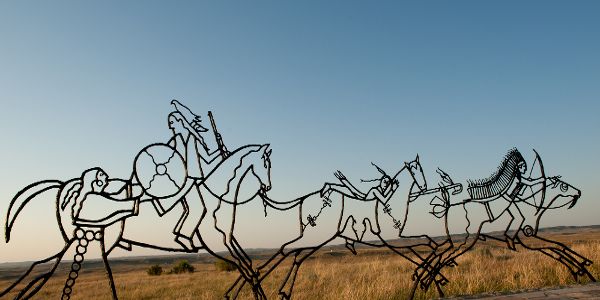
(160, 170)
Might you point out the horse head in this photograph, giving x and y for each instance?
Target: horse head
(251, 160)
(558, 194)
(416, 172)
(262, 170)
(561, 193)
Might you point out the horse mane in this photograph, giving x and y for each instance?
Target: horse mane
(239, 166)
(499, 180)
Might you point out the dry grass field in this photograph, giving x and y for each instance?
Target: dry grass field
(335, 273)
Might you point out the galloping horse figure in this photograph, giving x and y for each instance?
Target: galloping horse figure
(221, 193)
(248, 160)
(326, 216)
(555, 194)
(74, 223)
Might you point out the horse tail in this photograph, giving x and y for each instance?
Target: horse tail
(23, 197)
(285, 205)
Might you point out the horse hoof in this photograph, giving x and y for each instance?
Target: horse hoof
(284, 296)
(452, 263)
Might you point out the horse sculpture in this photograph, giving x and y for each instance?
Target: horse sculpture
(249, 160)
(557, 194)
(327, 217)
(335, 211)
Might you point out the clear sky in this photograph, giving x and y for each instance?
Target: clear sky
(331, 86)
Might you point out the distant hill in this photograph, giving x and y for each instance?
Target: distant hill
(7, 269)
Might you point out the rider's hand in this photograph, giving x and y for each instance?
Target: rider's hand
(339, 175)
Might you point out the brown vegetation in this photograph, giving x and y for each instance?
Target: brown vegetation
(337, 274)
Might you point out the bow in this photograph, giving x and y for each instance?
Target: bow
(543, 173)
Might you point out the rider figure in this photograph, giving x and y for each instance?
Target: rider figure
(512, 174)
(189, 142)
(199, 162)
(380, 193)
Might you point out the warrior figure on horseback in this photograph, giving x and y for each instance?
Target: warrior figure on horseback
(502, 191)
(380, 193)
(199, 160)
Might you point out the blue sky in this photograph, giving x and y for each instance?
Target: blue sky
(330, 86)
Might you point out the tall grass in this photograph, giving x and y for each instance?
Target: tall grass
(372, 274)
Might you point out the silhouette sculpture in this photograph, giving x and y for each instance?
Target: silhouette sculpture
(203, 189)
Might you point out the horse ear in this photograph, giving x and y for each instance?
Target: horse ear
(417, 159)
(264, 149)
(269, 152)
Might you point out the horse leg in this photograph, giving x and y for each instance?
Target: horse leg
(36, 284)
(301, 254)
(285, 290)
(420, 261)
(272, 263)
(235, 288)
(436, 263)
(425, 278)
(576, 263)
(225, 229)
(246, 264)
(578, 258)
(100, 237)
(431, 273)
(448, 256)
(425, 265)
(473, 230)
(269, 266)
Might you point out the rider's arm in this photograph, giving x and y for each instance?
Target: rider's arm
(374, 193)
(385, 197)
(164, 205)
(342, 178)
(117, 188)
(207, 156)
(530, 182)
(172, 141)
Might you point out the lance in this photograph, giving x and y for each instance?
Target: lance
(220, 144)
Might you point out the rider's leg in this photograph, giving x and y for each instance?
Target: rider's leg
(180, 238)
(514, 225)
(193, 212)
(330, 187)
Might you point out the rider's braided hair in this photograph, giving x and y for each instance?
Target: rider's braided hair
(500, 180)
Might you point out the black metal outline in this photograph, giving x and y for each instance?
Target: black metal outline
(254, 161)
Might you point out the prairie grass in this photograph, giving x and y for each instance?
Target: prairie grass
(336, 274)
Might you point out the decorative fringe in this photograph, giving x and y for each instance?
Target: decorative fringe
(500, 180)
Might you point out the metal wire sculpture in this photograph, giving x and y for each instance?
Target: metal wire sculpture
(205, 186)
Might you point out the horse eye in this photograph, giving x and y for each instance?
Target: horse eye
(564, 187)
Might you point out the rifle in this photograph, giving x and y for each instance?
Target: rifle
(220, 144)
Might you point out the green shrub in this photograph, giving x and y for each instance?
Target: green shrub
(182, 266)
(223, 265)
(154, 270)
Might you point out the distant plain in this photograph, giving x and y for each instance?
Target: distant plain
(333, 273)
